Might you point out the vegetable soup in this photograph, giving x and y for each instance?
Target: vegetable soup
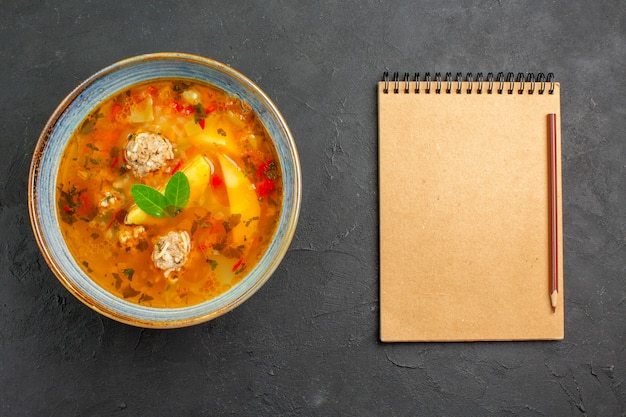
(169, 193)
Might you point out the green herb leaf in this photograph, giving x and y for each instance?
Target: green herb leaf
(149, 200)
(213, 263)
(177, 191)
(88, 126)
(160, 205)
(129, 272)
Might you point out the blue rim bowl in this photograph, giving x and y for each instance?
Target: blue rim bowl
(67, 118)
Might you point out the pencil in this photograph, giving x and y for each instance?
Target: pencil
(554, 221)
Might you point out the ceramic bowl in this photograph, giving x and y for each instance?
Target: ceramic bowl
(69, 115)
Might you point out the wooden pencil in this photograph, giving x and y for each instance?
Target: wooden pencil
(554, 224)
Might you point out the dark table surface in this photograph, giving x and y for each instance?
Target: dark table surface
(307, 342)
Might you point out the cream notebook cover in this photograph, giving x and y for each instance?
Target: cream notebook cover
(464, 199)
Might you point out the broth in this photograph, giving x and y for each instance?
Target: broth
(144, 136)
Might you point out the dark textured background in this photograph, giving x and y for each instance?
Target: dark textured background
(307, 342)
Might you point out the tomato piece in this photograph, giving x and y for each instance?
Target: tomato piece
(265, 188)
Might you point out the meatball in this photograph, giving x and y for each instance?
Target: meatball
(171, 251)
(147, 152)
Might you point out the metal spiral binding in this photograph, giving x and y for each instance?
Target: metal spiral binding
(526, 83)
(470, 82)
(406, 83)
(530, 78)
(510, 79)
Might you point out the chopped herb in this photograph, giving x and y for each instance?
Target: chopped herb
(129, 272)
(67, 215)
(272, 174)
(202, 222)
(95, 236)
(232, 222)
(130, 292)
(250, 168)
(90, 124)
(95, 161)
(144, 297)
(86, 265)
(267, 169)
(213, 263)
(68, 203)
(92, 147)
(221, 132)
(68, 196)
(115, 151)
(118, 280)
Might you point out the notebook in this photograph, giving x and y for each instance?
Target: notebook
(465, 207)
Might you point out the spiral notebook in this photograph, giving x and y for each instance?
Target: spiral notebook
(470, 203)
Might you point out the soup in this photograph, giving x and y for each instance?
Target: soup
(169, 193)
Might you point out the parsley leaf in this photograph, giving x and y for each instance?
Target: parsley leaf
(129, 272)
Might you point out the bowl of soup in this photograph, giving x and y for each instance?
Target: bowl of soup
(165, 190)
